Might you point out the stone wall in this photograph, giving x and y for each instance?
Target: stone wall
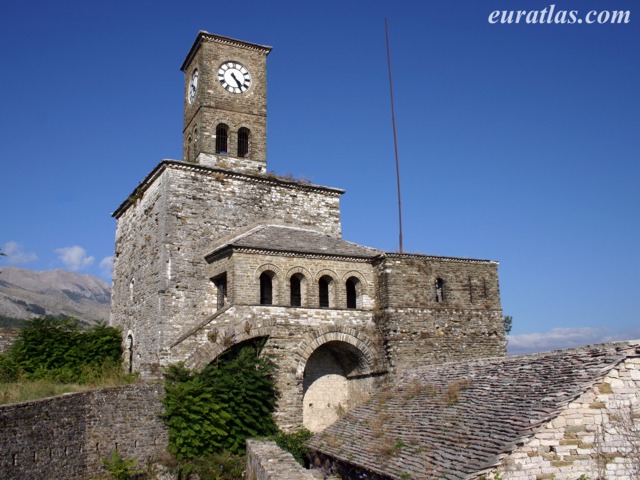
(267, 461)
(66, 436)
(596, 435)
(244, 269)
(293, 335)
(176, 217)
(7, 337)
(425, 322)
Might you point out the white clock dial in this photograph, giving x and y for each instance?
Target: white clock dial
(193, 86)
(234, 77)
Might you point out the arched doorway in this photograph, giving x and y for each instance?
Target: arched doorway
(332, 384)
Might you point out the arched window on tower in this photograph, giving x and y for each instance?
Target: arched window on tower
(222, 138)
(353, 294)
(296, 290)
(243, 142)
(323, 290)
(266, 288)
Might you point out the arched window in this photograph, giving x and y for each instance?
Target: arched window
(296, 290)
(129, 350)
(243, 142)
(222, 137)
(439, 287)
(323, 290)
(266, 288)
(353, 297)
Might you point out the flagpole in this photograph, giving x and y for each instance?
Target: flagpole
(395, 136)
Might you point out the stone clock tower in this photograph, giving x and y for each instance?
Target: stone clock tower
(225, 104)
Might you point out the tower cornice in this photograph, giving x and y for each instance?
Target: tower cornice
(204, 36)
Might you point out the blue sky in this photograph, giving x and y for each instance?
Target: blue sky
(518, 142)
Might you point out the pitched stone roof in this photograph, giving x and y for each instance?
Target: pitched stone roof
(296, 240)
(457, 420)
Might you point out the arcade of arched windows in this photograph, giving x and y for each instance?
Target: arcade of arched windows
(298, 288)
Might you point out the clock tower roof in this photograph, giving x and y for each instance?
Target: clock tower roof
(204, 36)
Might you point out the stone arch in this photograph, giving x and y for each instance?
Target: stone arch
(305, 281)
(129, 347)
(360, 285)
(217, 345)
(331, 278)
(336, 334)
(276, 279)
(440, 288)
(336, 377)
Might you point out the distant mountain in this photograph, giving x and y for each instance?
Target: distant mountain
(26, 294)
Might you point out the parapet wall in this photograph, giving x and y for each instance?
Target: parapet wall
(267, 461)
(66, 436)
(7, 337)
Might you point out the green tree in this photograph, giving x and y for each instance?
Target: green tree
(60, 349)
(508, 323)
(220, 407)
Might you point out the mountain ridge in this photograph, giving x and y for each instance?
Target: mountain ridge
(26, 294)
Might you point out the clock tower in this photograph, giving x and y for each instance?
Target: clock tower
(225, 104)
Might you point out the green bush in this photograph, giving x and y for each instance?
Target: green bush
(61, 350)
(219, 408)
(294, 443)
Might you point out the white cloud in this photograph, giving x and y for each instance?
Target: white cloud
(558, 338)
(15, 253)
(74, 258)
(106, 266)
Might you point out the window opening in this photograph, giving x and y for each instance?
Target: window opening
(352, 292)
(266, 289)
(296, 291)
(243, 142)
(439, 290)
(222, 136)
(323, 291)
(221, 290)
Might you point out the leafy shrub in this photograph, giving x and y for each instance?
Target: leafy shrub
(121, 468)
(294, 443)
(219, 466)
(220, 407)
(61, 350)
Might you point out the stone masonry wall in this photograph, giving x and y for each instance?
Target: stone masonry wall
(266, 461)
(423, 326)
(139, 274)
(163, 236)
(66, 436)
(293, 335)
(597, 435)
(214, 105)
(7, 337)
(244, 278)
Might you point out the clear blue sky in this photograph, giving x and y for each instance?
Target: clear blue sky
(518, 142)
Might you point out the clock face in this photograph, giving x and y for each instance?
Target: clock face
(234, 77)
(193, 86)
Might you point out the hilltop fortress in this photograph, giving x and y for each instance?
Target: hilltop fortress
(213, 251)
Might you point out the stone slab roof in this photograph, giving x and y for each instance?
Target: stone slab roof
(457, 420)
(289, 239)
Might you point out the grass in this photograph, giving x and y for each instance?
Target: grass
(25, 389)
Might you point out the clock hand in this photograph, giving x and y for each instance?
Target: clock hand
(233, 75)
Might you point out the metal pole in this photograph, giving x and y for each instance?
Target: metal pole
(395, 136)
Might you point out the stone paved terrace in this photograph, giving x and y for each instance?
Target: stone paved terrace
(460, 420)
